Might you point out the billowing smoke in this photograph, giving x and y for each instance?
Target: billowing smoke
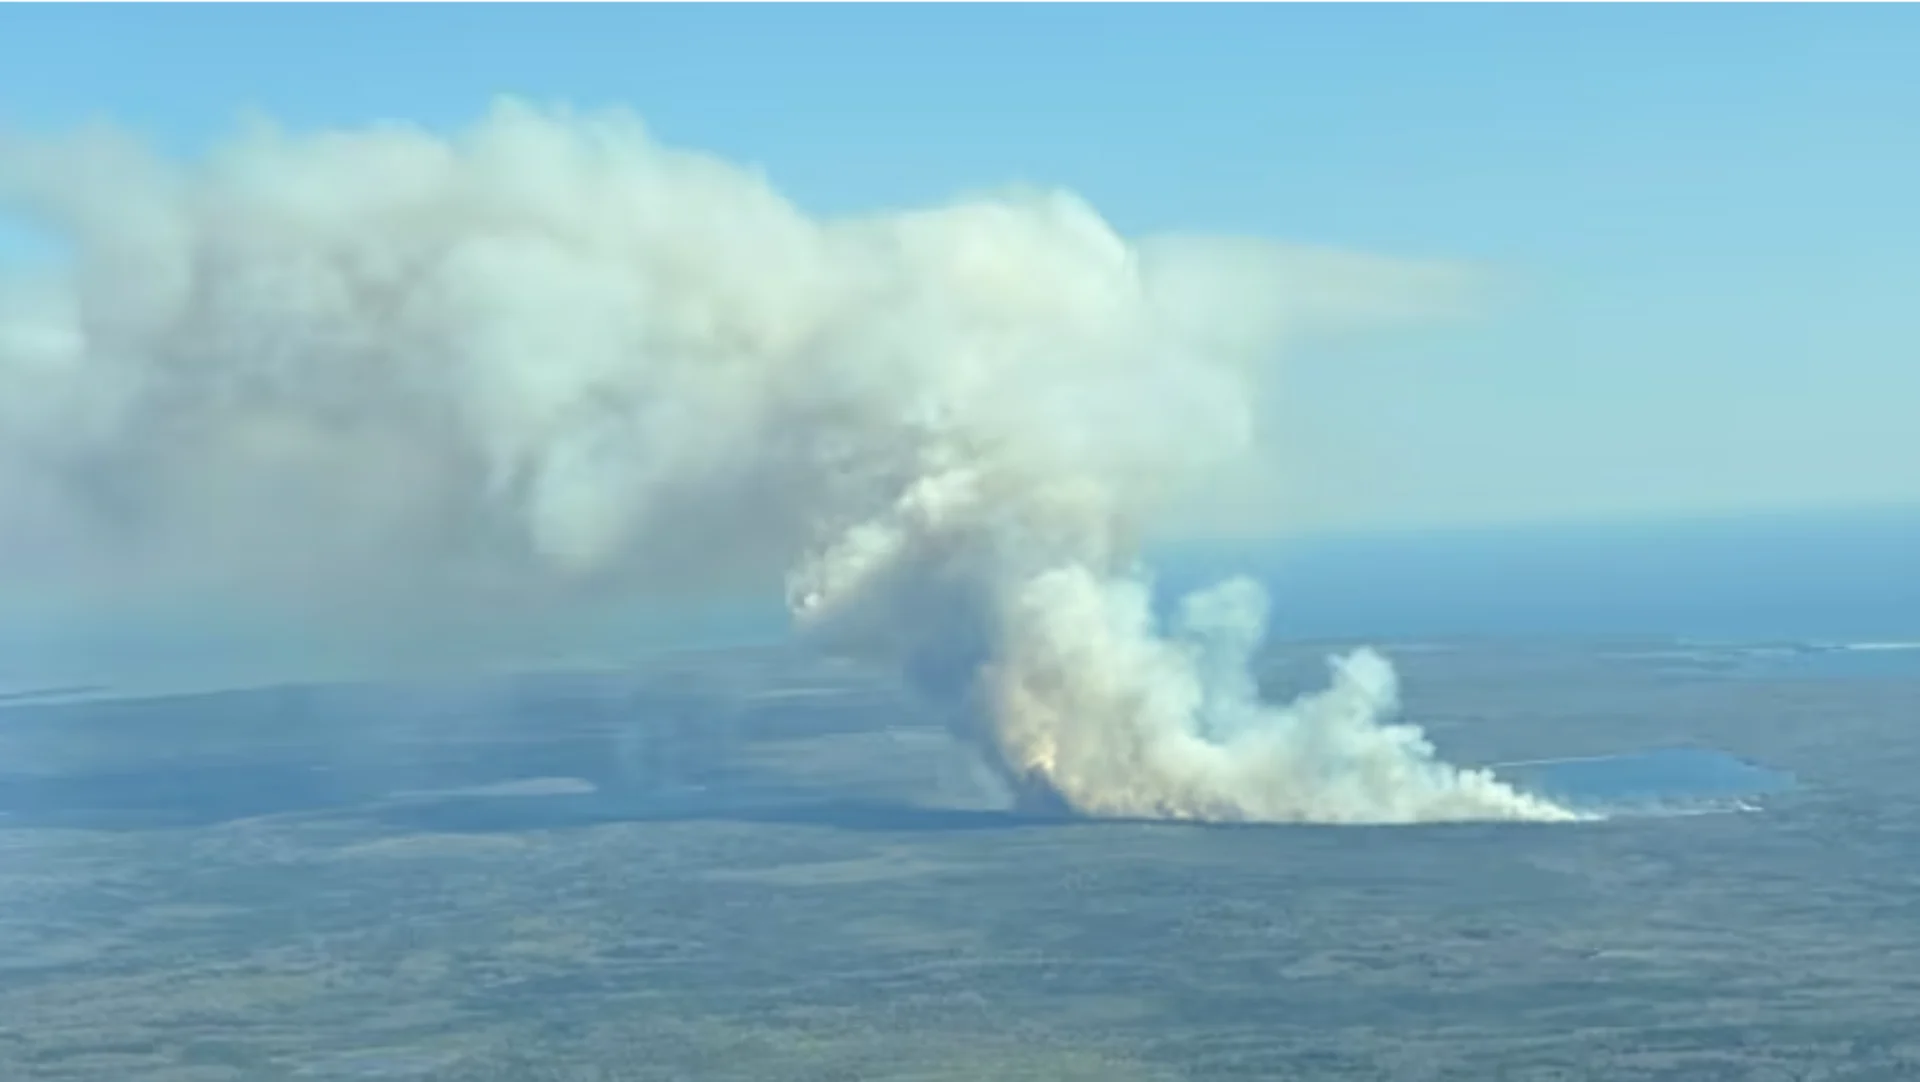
(551, 362)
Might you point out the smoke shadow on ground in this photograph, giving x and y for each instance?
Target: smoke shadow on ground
(370, 754)
(187, 761)
(513, 815)
(197, 795)
(201, 795)
(1657, 779)
(507, 816)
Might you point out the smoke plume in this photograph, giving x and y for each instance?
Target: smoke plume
(550, 362)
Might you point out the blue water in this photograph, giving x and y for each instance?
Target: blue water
(1827, 578)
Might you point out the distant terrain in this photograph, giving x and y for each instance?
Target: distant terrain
(756, 864)
(1813, 576)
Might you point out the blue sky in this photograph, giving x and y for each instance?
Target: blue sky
(1698, 223)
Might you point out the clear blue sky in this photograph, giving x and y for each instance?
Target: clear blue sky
(1703, 222)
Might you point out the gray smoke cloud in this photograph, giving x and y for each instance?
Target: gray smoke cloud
(514, 373)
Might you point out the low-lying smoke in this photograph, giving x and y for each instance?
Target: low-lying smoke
(550, 362)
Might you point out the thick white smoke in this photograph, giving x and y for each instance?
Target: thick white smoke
(552, 361)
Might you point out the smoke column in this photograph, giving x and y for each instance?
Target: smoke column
(550, 361)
